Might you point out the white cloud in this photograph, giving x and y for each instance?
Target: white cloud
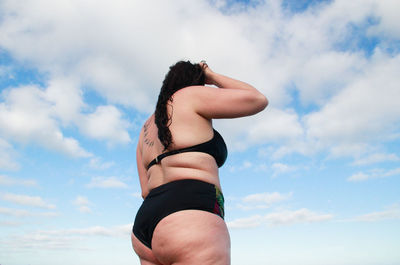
(366, 111)
(7, 156)
(37, 241)
(392, 172)
(118, 67)
(376, 158)
(97, 163)
(34, 201)
(273, 170)
(114, 231)
(106, 182)
(280, 218)
(311, 54)
(84, 209)
(247, 222)
(323, 75)
(274, 125)
(14, 212)
(81, 201)
(373, 174)
(244, 166)
(9, 181)
(293, 217)
(25, 213)
(106, 124)
(83, 204)
(263, 200)
(391, 213)
(9, 223)
(117, 79)
(33, 114)
(63, 239)
(388, 25)
(26, 116)
(66, 99)
(270, 126)
(280, 168)
(360, 176)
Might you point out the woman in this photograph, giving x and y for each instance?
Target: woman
(178, 155)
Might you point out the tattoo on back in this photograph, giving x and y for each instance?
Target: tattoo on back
(147, 141)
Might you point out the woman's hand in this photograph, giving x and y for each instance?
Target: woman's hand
(208, 72)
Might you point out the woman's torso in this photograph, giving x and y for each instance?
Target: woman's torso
(187, 129)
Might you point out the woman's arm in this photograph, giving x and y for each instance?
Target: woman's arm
(231, 99)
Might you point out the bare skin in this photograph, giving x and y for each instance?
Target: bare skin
(205, 239)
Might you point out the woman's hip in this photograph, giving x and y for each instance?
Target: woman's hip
(175, 196)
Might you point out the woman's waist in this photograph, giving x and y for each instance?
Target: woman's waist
(185, 189)
(178, 175)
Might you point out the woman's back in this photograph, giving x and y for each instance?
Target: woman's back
(187, 128)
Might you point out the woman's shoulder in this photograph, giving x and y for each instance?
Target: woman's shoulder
(193, 95)
(193, 90)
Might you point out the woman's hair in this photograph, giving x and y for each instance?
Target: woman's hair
(180, 75)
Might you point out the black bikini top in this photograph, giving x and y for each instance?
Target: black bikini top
(215, 147)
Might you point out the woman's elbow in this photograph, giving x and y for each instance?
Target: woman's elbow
(264, 101)
(261, 102)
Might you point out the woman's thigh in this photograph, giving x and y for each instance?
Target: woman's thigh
(192, 237)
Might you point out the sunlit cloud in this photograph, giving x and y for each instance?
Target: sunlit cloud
(391, 213)
(376, 158)
(373, 174)
(63, 239)
(27, 116)
(7, 160)
(106, 123)
(262, 200)
(280, 218)
(98, 164)
(287, 53)
(83, 204)
(25, 213)
(106, 182)
(27, 200)
(9, 181)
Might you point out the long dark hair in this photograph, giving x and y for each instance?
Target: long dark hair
(180, 75)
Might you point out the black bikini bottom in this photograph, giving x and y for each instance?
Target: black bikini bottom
(186, 194)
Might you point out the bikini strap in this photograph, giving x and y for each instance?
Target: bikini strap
(195, 148)
(160, 157)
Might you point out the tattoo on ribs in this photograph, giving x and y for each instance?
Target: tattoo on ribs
(147, 141)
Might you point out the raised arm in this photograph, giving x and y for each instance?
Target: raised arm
(230, 99)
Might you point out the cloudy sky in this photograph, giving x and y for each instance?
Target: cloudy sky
(314, 179)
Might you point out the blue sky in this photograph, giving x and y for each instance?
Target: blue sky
(314, 179)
